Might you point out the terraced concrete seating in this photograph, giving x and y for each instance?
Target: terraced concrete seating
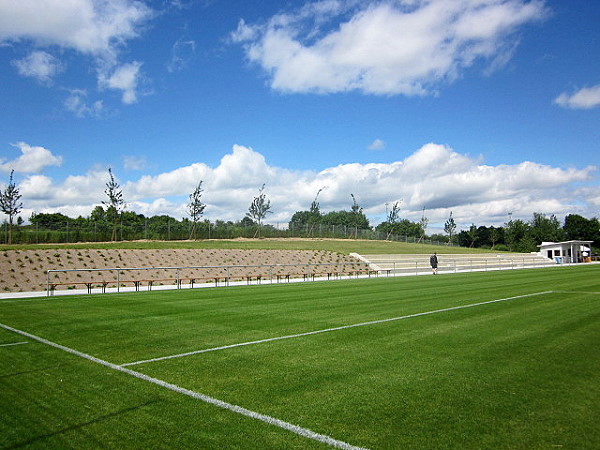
(405, 264)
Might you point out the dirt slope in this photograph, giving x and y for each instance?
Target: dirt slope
(25, 270)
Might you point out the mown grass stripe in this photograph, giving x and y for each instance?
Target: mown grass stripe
(303, 432)
(329, 330)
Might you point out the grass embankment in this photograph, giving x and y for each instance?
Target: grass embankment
(344, 246)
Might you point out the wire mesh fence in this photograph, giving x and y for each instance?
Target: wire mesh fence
(173, 230)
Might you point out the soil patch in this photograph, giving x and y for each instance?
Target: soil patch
(25, 270)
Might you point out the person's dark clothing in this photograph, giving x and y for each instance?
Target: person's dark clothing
(433, 261)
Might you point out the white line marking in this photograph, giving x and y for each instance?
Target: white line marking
(13, 343)
(304, 432)
(19, 300)
(577, 292)
(327, 330)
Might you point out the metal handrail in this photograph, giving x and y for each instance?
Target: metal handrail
(178, 269)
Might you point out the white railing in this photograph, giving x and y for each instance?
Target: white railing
(455, 265)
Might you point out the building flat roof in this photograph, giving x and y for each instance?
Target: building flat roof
(576, 242)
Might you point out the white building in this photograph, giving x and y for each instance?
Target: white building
(567, 252)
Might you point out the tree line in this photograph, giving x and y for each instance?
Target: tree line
(516, 235)
(521, 236)
(123, 224)
(112, 221)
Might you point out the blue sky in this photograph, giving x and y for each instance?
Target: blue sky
(476, 107)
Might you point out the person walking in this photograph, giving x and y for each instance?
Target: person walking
(433, 261)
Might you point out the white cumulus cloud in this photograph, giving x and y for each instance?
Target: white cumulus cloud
(36, 188)
(88, 26)
(39, 65)
(377, 144)
(435, 177)
(126, 79)
(134, 162)
(586, 98)
(173, 183)
(76, 102)
(33, 159)
(96, 29)
(384, 47)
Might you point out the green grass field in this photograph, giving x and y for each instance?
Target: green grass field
(434, 362)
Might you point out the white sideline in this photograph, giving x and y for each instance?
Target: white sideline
(327, 330)
(304, 432)
(13, 343)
